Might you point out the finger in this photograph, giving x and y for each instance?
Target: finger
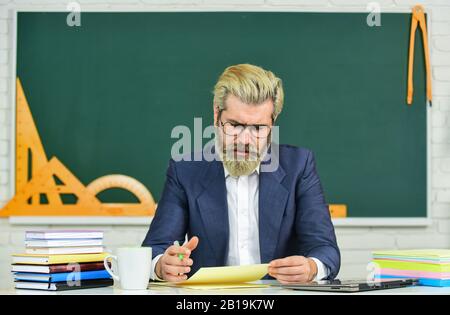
(176, 250)
(172, 278)
(288, 261)
(288, 270)
(175, 261)
(187, 261)
(192, 244)
(175, 270)
(284, 262)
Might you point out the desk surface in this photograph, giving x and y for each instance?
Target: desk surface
(254, 291)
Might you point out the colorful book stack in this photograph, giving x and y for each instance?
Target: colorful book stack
(430, 266)
(61, 260)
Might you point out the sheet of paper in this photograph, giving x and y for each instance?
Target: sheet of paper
(228, 274)
(229, 277)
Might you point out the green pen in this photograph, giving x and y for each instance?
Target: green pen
(180, 256)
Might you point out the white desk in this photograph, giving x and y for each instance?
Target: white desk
(255, 291)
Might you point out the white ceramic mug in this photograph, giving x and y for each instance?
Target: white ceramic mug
(133, 267)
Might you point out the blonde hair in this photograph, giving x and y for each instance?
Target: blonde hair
(251, 84)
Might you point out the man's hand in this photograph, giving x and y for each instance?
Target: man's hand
(293, 269)
(170, 268)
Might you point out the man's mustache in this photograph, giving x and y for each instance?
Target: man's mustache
(242, 148)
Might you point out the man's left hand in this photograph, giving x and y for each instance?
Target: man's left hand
(293, 269)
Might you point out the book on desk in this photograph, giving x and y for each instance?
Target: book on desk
(61, 260)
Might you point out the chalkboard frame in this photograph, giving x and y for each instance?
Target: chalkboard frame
(341, 222)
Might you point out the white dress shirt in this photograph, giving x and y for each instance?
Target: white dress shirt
(243, 218)
(243, 214)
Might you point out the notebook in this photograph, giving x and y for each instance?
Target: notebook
(62, 286)
(65, 250)
(56, 259)
(58, 268)
(63, 234)
(64, 243)
(62, 277)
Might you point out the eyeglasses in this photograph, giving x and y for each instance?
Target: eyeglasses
(235, 129)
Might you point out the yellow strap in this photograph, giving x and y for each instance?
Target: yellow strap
(418, 17)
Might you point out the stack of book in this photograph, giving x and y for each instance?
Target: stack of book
(61, 260)
(430, 266)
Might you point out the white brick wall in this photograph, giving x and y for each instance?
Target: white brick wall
(355, 243)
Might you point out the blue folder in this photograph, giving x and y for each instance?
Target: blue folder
(62, 277)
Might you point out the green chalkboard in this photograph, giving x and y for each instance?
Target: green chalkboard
(107, 94)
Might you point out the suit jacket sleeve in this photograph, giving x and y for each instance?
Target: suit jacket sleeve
(171, 217)
(313, 221)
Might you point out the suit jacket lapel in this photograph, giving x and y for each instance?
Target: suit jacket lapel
(272, 205)
(212, 203)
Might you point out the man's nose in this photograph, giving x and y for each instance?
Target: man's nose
(245, 137)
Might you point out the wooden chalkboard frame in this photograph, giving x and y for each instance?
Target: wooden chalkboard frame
(351, 222)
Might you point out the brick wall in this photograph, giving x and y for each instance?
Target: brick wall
(355, 242)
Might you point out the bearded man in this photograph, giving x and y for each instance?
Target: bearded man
(236, 211)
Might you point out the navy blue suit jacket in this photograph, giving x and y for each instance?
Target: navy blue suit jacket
(293, 216)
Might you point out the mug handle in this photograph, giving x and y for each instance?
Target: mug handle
(105, 263)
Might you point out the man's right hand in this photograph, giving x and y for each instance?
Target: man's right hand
(170, 268)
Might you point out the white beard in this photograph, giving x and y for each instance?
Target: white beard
(238, 166)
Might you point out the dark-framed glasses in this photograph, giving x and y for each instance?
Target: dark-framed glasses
(234, 129)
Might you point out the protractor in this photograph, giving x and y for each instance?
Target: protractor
(122, 181)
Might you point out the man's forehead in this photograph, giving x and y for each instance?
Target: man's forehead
(248, 113)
